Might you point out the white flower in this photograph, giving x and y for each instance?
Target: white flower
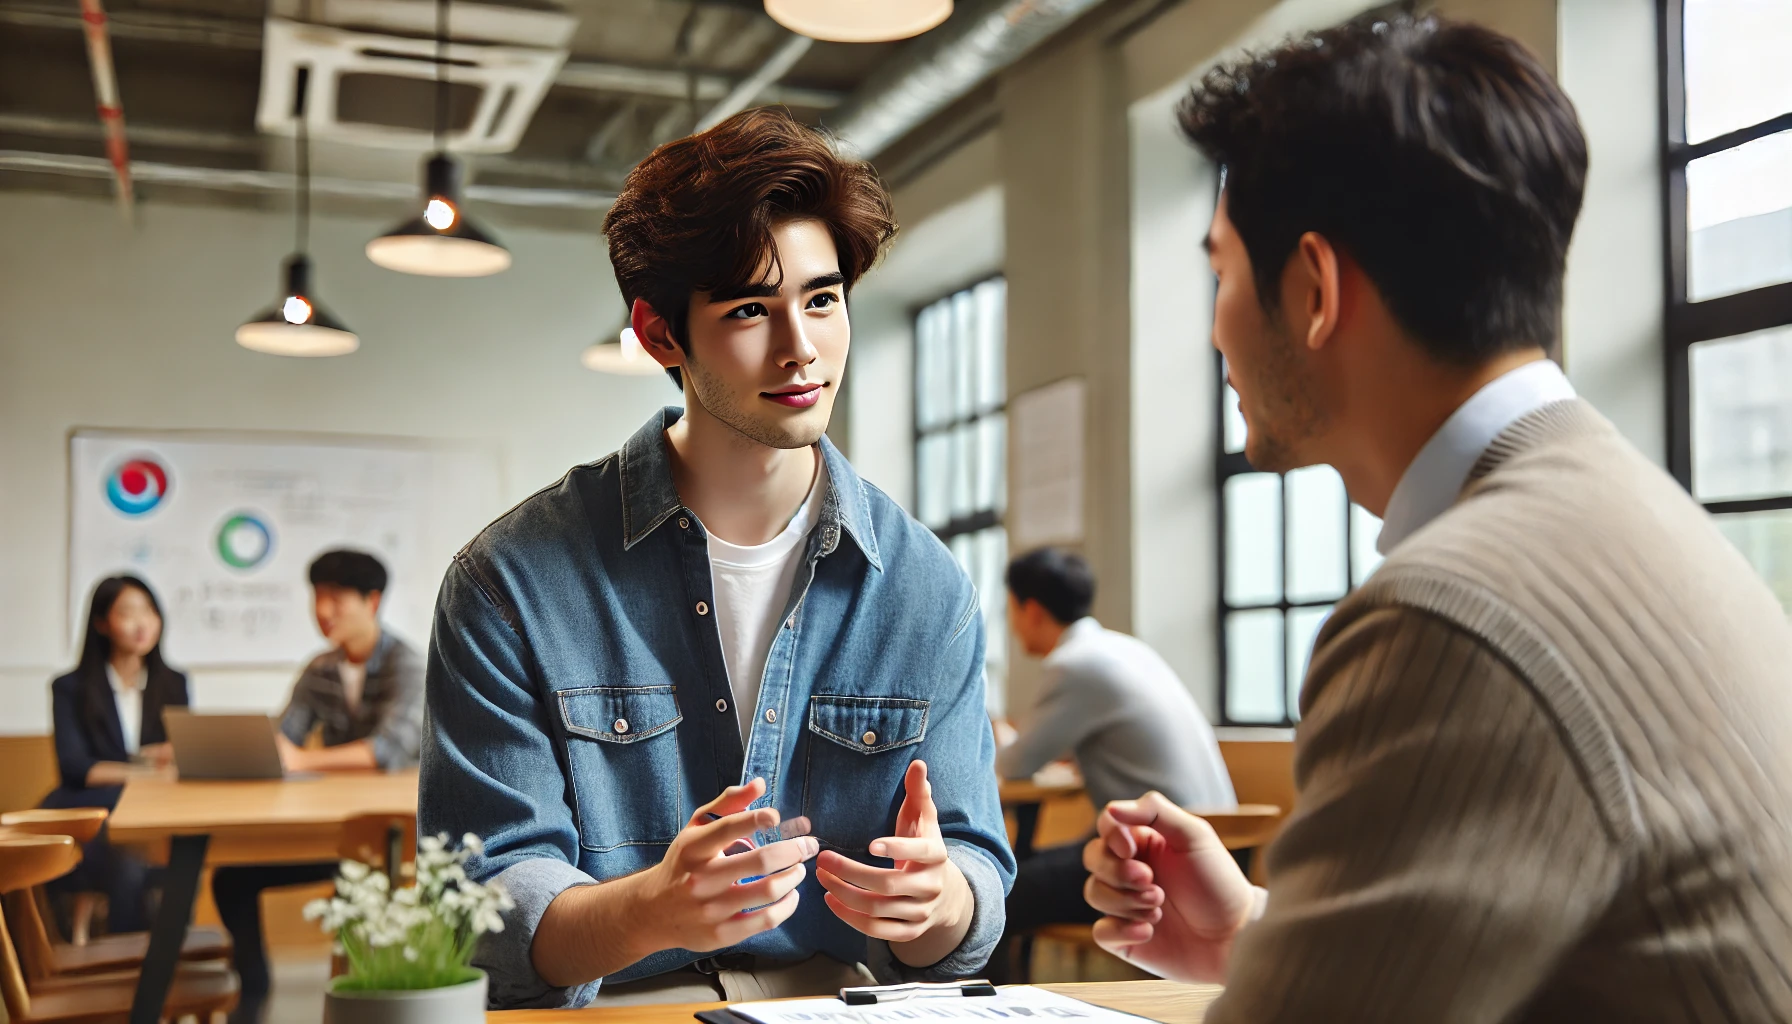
(410, 953)
(473, 843)
(354, 870)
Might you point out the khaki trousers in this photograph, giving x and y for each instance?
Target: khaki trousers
(817, 976)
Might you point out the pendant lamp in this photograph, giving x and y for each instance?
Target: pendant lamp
(442, 241)
(858, 21)
(297, 325)
(624, 357)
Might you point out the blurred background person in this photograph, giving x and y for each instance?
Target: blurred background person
(107, 719)
(1109, 703)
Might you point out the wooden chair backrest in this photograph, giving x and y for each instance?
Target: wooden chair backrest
(27, 861)
(27, 770)
(81, 824)
(371, 838)
(1262, 771)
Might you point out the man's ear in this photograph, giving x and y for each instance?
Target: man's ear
(1312, 287)
(373, 602)
(655, 335)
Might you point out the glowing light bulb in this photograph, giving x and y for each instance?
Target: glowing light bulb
(439, 215)
(631, 345)
(296, 310)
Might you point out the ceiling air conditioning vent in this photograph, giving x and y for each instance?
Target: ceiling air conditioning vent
(372, 86)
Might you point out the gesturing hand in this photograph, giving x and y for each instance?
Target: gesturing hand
(696, 897)
(1173, 895)
(923, 905)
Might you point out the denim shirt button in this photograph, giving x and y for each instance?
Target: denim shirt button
(790, 623)
(722, 706)
(620, 727)
(771, 714)
(684, 524)
(702, 608)
(870, 738)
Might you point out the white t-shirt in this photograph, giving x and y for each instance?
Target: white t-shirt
(354, 680)
(752, 585)
(129, 700)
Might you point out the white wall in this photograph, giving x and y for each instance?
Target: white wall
(107, 326)
(1612, 321)
(1174, 508)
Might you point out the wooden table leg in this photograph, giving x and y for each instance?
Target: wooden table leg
(186, 857)
(1026, 827)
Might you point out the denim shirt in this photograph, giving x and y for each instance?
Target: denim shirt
(579, 710)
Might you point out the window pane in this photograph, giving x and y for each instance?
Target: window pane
(1365, 530)
(1742, 416)
(964, 455)
(992, 387)
(1736, 69)
(1316, 528)
(1765, 539)
(933, 479)
(1739, 218)
(990, 489)
(1234, 423)
(1303, 626)
(1254, 666)
(964, 355)
(1253, 539)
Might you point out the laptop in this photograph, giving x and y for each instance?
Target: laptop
(222, 746)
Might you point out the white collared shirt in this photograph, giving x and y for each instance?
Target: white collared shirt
(129, 700)
(1433, 481)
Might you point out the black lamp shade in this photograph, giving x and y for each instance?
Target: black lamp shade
(442, 241)
(297, 325)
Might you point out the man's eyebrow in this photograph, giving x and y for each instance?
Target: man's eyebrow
(763, 290)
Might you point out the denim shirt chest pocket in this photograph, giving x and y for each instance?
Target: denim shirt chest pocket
(622, 748)
(857, 756)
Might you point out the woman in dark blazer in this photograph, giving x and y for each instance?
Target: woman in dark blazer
(108, 720)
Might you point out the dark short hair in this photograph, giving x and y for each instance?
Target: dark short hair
(1059, 580)
(697, 214)
(351, 570)
(1440, 156)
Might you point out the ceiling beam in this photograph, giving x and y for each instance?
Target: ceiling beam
(242, 34)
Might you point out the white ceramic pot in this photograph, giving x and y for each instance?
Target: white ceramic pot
(456, 1004)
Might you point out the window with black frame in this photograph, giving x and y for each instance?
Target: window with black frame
(1291, 545)
(961, 442)
(1727, 168)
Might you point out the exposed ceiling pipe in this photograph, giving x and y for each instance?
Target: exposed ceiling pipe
(111, 108)
(945, 65)
(281, 182)
(240, 34)
(742, 96)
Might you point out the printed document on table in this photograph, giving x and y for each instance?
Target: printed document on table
(1020, 1003)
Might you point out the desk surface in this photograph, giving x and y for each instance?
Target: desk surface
(1167, 1001)
(155, 808)
(1029, 791)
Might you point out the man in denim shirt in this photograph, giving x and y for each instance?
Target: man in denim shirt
(660, 687)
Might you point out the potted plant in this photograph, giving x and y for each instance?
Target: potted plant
(408, 948)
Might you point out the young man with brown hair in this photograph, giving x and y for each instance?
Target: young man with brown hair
(1545, 752)
(660, 687)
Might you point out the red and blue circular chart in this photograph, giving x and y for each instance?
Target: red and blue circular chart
(137, 485)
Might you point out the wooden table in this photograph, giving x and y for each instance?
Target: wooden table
(255, 822)
(1167, 1001)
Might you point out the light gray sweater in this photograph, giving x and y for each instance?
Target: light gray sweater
(1115, 705)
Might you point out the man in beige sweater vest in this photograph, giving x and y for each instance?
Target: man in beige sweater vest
(1545, 761)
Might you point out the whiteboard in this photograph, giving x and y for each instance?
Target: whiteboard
(223, 528)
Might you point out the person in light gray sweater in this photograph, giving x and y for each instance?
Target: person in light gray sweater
(1114, 706)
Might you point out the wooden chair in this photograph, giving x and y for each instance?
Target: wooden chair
(381, 841)
(199, 990)
(42, 954)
